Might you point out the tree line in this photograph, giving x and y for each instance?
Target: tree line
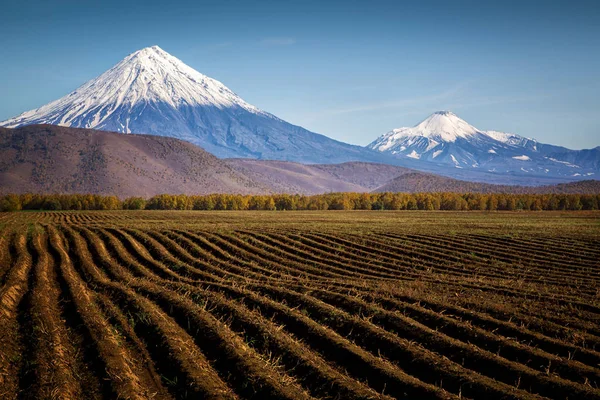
(329, 201)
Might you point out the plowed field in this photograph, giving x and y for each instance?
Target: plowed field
(298, 305)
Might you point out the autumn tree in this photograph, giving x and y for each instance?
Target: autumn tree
(10, 203)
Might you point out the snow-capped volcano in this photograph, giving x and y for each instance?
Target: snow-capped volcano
(150, 91)
(148, 76)
(432, 137)
(439, 127)
(444, 138)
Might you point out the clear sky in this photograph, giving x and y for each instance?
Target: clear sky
(351, 70)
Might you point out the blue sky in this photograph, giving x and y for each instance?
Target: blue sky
(351, 70)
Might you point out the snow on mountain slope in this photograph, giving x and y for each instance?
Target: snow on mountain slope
(148, 75)
(152, 92)
(445, 139)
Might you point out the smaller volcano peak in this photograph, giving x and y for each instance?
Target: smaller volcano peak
(444, 126)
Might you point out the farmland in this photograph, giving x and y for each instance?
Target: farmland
(298, 305)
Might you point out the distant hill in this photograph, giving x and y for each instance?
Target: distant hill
(290, 177)
(414, 182)
(54, 159)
